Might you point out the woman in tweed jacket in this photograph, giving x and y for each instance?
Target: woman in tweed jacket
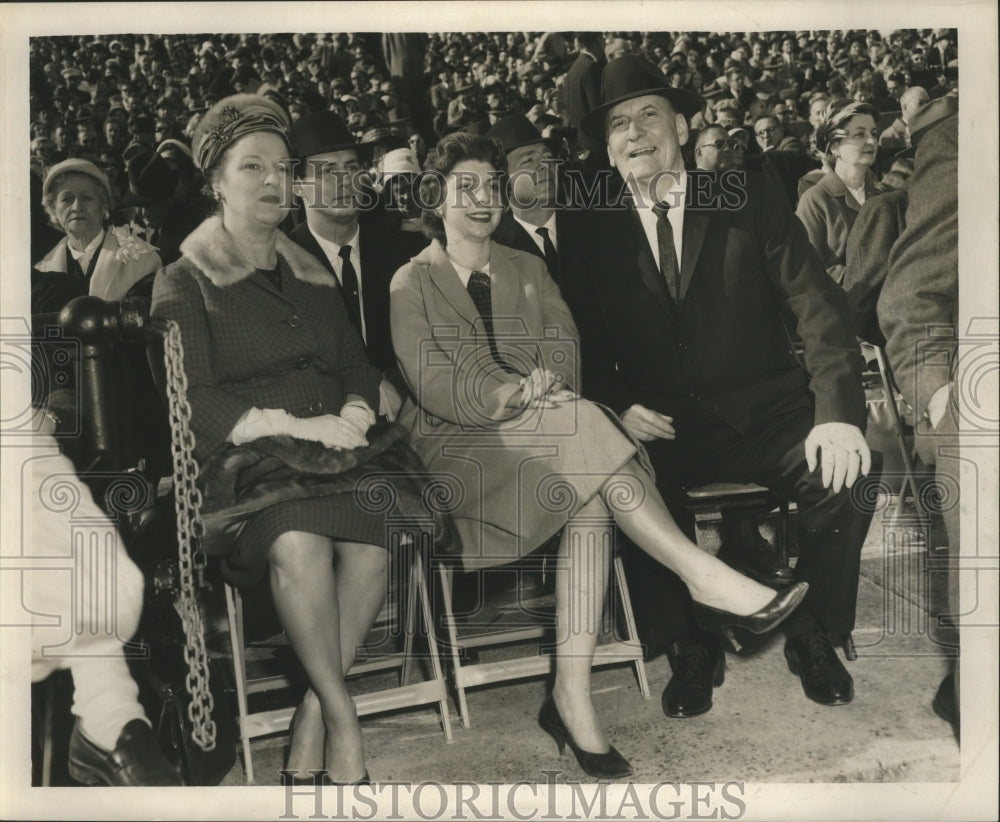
(282, 396)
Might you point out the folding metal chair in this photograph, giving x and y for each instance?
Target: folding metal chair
(254, 724)
(892, 399)
(468, 672)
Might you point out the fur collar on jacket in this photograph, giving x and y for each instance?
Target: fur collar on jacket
(212, 249)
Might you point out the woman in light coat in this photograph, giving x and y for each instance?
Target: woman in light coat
(107, 260)
(488, 349)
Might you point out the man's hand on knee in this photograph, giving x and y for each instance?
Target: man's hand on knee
(845, 454)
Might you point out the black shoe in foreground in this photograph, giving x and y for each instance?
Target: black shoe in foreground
(697, 669)
(136, 759)
(766, 619)
(812, 657)
(610, 765)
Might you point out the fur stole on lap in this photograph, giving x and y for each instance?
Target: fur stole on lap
(385, 478)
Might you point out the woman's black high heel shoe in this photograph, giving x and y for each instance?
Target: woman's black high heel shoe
(759, 622)
(610, 765)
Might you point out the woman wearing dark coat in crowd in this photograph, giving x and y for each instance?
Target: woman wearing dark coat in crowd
(849, 138)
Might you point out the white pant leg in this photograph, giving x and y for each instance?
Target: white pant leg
(89, 598)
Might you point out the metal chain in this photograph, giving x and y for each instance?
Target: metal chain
(190, 531)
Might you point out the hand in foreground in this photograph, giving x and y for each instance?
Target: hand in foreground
(646, 425)
(358, 414)
(553, 399)
(331, 430)
(845, 454)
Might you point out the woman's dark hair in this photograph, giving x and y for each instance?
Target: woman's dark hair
(451, 150)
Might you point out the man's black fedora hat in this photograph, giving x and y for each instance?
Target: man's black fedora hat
(321, 132)
(516, 131)
(151, 179)
(634, 76)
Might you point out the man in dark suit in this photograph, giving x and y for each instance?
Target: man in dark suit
(694, 295)
(363, 258)
(534, 223)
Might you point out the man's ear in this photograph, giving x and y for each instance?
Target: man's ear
(611, 157)
(681, 125)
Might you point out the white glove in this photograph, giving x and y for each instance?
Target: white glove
(358, 414)
(329, 429)
(260, 422)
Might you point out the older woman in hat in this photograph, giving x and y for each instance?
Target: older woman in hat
(106, 259)
(848, 137)
(488, 349)
(282, 401)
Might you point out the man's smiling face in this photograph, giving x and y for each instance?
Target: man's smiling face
(645, 136)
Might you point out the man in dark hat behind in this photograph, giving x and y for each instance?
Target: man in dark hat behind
(153, 191)
(340, 231)
(534, 222)
(694, 281)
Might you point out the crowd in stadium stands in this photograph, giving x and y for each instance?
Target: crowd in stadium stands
(128, 135)
(108, 98)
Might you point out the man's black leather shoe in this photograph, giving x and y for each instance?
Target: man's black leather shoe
(698, 668)
(760, 561)
(813, 658)
(136, 759)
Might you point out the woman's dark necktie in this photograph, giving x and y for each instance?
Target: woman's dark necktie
(349, 289)
(668, 252)
(479, 290)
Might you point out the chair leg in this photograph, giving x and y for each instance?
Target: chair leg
(909, 479)
(415, 583)
(632, 632)
(432, 646)
(47, 730)
(234, 612)
(781, 533)
(444, 575)
(850, 652)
